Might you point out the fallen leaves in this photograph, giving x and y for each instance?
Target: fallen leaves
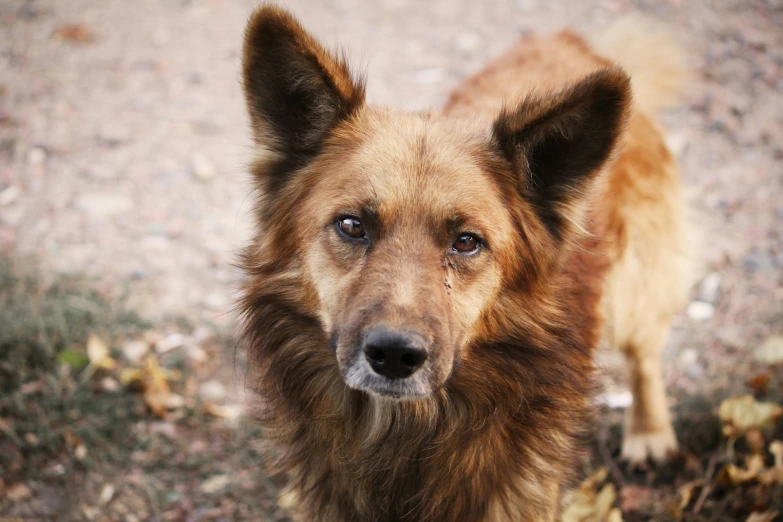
(767, 516)
(229, 412)
(18, 492)
(96, 356)
(589, 504)
(686, 495)
(75, 33)
(153, 380)
(735, 475)
(76, 360)
(107, 494)
(774, 475)
(98, 353)
(755, 470)
(215, 484)
(743, 413)
(770, 351)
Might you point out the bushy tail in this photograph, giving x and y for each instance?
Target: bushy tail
(650, 54)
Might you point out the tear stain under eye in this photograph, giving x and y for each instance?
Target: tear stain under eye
(333, 341)
(445, 263)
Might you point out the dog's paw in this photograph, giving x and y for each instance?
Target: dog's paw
(638, 447)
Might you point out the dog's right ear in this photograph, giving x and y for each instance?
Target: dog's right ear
(296, 91)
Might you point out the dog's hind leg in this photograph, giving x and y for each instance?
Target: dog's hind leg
(648, 426)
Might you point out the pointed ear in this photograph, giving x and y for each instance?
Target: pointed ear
(559, 143)
(296, 91)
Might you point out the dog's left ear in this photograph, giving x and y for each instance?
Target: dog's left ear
(558, 144)
(296, 91)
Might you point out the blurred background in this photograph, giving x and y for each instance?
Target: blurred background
(124, 199)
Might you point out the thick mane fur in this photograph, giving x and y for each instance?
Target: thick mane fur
(519, 407)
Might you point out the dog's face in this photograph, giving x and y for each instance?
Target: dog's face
(409, 226)
(405, 235)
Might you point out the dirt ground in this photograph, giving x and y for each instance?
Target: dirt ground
(123, 143)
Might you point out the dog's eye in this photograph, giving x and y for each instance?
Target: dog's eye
(351, 227)
(466, 244)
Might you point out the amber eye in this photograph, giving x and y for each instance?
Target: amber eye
(351, 227)
(466, 244)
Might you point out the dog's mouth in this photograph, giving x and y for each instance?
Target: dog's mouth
(360, 375)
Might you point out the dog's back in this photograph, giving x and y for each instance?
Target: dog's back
(638, 212)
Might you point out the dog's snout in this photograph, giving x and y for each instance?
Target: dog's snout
(395, 355)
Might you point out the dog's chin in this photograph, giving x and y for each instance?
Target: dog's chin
(362, 377)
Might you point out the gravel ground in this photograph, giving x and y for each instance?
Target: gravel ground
(123, 142)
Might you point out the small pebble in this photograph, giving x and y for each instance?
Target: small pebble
(107, 493)
(170, 342)
(215, 484)
(467, 42)
(212, 391)
(18, 492)
(709, 290)
(36, 156)
(700, 311)
(9, 194)
(202, 168)
(103, 204)
(689, 356)
(617, 400)
(134, 351)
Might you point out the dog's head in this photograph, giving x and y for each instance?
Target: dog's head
(407, 228)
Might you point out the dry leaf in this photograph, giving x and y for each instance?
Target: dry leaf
(107, 493)
(767, 516)
(80, 452)
(774, 475)
(131, 376)
(230, 411)
(78, 33)
(770, 351)
(755, 440)
(745, 412)
(760, 382)
(585, 505)
(98, 353)
(215, 484)
(71, 439)
(686, 494)
(18, 492)
(736, 475)
(156, 386)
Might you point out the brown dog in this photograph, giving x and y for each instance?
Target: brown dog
(426, 290)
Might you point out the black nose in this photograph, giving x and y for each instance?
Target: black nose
(395, 355)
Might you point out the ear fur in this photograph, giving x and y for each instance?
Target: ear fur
(559, 143)
(296, 91)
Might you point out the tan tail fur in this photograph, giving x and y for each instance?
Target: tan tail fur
(650, 53)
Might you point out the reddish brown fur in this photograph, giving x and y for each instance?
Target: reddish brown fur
(512, 330)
